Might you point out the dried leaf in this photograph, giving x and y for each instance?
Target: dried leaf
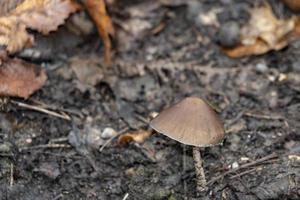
(263, 33)
(138, 136)
(7, 6)
(258, 48)
(292, 4)
(97, 11)
(20, 79)
(41, 15)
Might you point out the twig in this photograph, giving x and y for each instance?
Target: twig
(111, 139)
(256, 162)
(142, 119)
(46, 146)
(56, 140)
(160, 27)
(145, 152)
(125, 196)
(11, 175)
(243, 173)
(54, 107)
(261, 116)
(43, 110)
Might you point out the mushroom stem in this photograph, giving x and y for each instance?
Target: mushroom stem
(201, 181)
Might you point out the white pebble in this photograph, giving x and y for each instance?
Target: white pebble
(108, 133)
(261, 67)
(234, 165)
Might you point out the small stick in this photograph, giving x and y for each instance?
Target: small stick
(256, 162)
(201, 181)
(54, 107)
(45, 146)
(56, 140)
(142, 119)
(125, 196)
(261, 116)
(11, 175)
(43, 110)
(243, 173)
(111, 139)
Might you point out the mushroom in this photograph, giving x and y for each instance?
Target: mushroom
(191, 122)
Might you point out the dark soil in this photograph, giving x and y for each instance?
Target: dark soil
(258, 99)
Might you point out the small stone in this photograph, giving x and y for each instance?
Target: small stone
(28, 140)
(271, 78)
(93, 138)
(108, 133)
(261, 67)
(282, 77)
(229, 35)
(244, 159)
(234, 165)
(152, 115)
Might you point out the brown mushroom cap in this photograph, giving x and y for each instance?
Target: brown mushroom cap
(191, 121)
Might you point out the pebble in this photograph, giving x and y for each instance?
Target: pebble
(93, 138)
(234, 165)
(153, 114)
(261, 67)
(229, 34)
(108, 133)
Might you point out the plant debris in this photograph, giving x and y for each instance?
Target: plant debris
(263, 33)
(137, 136)
(41, 15)
(20, 79)
(97, 10)
(292, 4)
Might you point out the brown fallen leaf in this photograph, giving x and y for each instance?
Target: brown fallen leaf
(97, 11)
(263, 33)
(258, 48)
(7, 6)
(294, 5)
(20, 79)
(40, 15)
(138, 136)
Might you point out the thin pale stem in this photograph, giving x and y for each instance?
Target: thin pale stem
(201, 181)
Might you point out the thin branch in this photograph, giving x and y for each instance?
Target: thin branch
(42, 110)
(111, 139)
(46, 146)
(256, 162)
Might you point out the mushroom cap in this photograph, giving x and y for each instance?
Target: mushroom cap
(192, 122)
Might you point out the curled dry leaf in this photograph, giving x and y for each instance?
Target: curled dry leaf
(138, 136)
(7, 6)
(292, 4)
(40, 15)
(263, 33)
(20, 79)
(97, 11)
(258, 48)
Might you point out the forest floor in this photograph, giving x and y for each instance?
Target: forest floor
(171, 53)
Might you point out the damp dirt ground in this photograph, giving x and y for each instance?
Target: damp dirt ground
(164, 51)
